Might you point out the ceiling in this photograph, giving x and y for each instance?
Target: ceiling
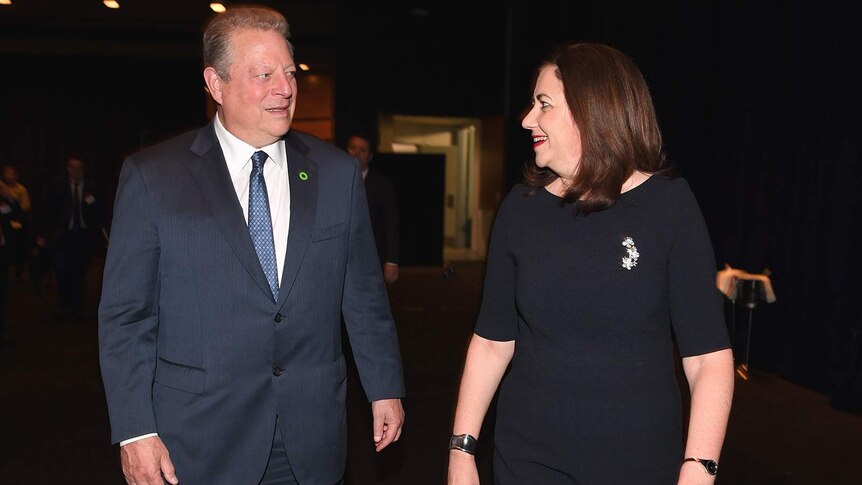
(311, 18)
(166, 28)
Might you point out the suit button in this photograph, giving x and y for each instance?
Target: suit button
(278, 317)
(276, 371)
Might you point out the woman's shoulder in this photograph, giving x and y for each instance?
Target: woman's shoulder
(667, 188)
(516, 202)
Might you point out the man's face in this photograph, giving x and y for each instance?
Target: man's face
(10, 175)
(359, 148)
(258, 102)
(75, 168)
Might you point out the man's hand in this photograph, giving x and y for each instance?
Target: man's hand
(388, 419)
(390, 273)
(145, 461)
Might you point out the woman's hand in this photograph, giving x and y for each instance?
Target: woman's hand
(462, 469)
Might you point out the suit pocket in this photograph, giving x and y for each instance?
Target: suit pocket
(328, 232)
(180, 377)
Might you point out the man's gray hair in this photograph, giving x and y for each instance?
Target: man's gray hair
(218, 52)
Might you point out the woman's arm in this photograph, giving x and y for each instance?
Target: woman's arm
(486, 362)
(710, 379)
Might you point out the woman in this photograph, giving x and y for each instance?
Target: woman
(597, 263)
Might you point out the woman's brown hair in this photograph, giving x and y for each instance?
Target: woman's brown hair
(612, 107)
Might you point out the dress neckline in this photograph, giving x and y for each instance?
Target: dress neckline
(629, 192)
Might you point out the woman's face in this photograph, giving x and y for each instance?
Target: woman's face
(556, 138)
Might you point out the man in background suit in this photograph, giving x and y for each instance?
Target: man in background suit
(235, 251)
(74, 231)
(382, 206)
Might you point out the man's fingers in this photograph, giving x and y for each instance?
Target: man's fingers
(392, 431)
(145, 461)
(388, 419)
(378, 427)
(168, 470)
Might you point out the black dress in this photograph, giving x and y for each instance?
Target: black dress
(594, 304)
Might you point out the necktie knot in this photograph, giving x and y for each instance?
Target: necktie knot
(258, 159)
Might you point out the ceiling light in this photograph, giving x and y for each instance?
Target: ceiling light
(304, 67)
(111, 3)
(218, 7)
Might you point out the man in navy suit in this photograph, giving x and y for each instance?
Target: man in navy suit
(235, 251)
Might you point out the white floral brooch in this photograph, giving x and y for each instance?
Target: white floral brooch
(630, 260)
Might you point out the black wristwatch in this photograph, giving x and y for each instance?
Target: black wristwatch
(710, 466)
(463, 442)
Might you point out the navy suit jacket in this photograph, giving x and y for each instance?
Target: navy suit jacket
(192, 344)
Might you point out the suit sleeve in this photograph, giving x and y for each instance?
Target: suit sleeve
(365, 306)
(128, 310)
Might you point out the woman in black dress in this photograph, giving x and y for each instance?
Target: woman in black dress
(597, 264)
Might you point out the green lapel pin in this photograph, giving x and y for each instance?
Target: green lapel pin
(303, 176)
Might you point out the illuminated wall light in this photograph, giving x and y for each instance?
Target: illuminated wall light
(5, 2)
(304, 67)
(111, 3)
(218, 7)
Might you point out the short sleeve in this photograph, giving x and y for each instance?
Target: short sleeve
(498, 315)
(696, 306)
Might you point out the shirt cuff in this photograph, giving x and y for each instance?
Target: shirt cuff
(138, 438)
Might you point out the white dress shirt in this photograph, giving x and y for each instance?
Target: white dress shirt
(238, 154)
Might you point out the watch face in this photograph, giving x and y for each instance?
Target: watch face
(711, 467)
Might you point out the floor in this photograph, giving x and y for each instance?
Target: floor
(55, 426)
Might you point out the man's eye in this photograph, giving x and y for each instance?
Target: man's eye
(290, 74)
(263, 75)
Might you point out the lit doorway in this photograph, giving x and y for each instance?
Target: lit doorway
(473, 173)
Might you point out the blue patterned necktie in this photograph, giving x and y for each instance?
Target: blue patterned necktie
(260, 222)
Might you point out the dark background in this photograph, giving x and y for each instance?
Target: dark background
(758, 102)
(418, 181)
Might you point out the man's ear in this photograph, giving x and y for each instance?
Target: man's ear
(214, 84)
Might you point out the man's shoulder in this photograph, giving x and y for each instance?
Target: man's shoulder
(378, 179)
(169, 150)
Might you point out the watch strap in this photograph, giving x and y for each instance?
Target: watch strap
(711, 466)
(463, 442)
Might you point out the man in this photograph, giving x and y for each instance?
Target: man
(235, 251)
(73, 232)
(382, 206)
(16, 239)
(10, 212)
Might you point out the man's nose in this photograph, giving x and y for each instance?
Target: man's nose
(285, 85)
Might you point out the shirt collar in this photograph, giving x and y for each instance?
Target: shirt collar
(237, 153)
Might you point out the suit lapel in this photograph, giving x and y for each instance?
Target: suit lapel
(302, 179)
(210, 172)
